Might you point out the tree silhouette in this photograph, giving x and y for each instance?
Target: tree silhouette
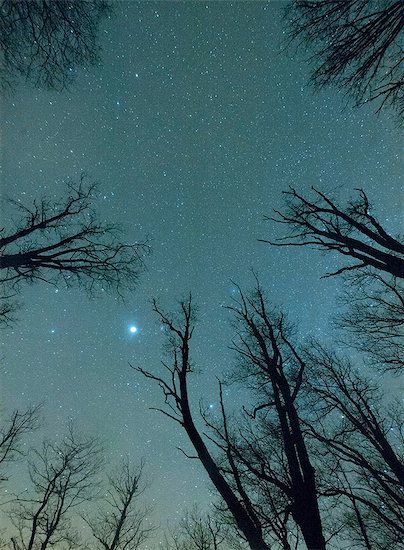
(175, 390)
(65, 241)
(360, 436)
(320, 440)
(352, 232)
(202, 531)
(356, 46)
(122, 524)
(316, 454)
(261, 493)
(272, 361)
(62, 477)
(374, 294)
(11, 434)
(45, 42)
(373, 319)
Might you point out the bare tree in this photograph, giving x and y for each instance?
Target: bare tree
(351, 231)
(374, 295)
(319, 440)
(356, 46)
(275, 371)
(46, 41)
(373, 319)
(11, 434)
(201, 531)
(175, 390)
(122, 524)
(360, 437)
(271, 492)
(65, 241)
(63, 476)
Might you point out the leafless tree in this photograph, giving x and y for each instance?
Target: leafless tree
(175, 389)
(12, 433)
(356, 46)
(198, 531)
(361, 437)
(122, 523)
(46, 41)
(275, 371)
(64, 241)
(374, 295)
(373, 319)
(351, 231)
(320, 439)
(271, 492)
(63, 476)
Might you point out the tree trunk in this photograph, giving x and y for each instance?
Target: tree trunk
(307, 515)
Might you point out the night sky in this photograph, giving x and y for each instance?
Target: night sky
(194, 124)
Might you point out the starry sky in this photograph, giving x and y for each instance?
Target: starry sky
(194, 123)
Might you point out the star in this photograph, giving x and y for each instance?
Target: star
(132, 329)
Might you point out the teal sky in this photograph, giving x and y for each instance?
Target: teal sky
(194, 123)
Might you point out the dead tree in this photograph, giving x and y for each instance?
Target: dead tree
(356, 46)
(63, 476)
(352, 232)
(45, 42)
(65, 242)
(122, 524)
(361, 438)
(175, 389)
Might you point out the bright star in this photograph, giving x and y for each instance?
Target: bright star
(133, 329)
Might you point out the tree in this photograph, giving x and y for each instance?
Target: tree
(122, 524)
(316, 454)
(65, 241)
(175, 390)
(352, 232)
(199, 531)
(63, 476)
(373, 320)
(245, 478)
(356, 45)
(360, 429)
(11, 434)
(46, 41)
(271, 360)
(360, 436)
